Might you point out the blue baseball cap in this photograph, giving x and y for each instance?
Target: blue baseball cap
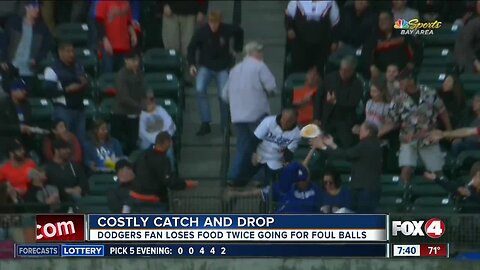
(17, 85)
(295, 172)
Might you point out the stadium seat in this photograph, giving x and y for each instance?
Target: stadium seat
(390, 179)
(432, 79)
(76, 33)
(93, 205)
(163, 60)
(105, 85)
(471, 84)
(135, 155)
(391, 204)
(437, 60)
(106, 107)
(428, 189)
(164, 85)
(100, 184)
(42, 111)
(433, 204)
(346, 178)
(339, 165)
(397, 190)
(444, 36)
(293, 81)
(195, 205)
(88, 59)
(90, 109)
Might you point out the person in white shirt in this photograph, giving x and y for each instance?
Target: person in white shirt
(154, 120)
(247, 89)
(278, 137)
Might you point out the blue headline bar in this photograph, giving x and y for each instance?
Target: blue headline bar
(237, 221)
(206, 250)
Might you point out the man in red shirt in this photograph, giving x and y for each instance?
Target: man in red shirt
(16, 170)
(116, 32)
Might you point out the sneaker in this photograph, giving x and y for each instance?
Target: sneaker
(204, 129)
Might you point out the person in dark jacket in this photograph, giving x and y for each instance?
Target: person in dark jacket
(154, 176)
(309, 28)
(27, 42)
(452, 94)
(469, 192)
(67, 176)
(212, 41)
(366, 158)
(119, 197)
(340, 94)
(387, 47)
(130, 100)
(15, 117)
(66, 83)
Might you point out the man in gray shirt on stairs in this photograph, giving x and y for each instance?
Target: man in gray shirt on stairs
(247, 89)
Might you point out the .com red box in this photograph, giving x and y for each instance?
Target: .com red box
(60, 228)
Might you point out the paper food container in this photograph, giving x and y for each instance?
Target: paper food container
(310, 131)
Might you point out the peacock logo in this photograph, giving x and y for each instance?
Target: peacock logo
(401, 24)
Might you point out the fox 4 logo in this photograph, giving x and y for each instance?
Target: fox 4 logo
(434, 228)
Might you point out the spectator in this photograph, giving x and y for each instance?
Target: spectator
(66, 83)
(15, 117)
(376, 110)
(304, 196)
(129, 102)
(116, 32)
(453, 97)
(304, 98)
(16, 170)
(154, 120)
(461, 12)
(247, 89)
(340, 95)
(119, 197)
(102, 151)
(67, 176)
(470, 192)
(366, 158)
(417, 119)
(467, 45)
(27, 43)
(432, 10)
(388, 47)
(360, 17)
(60, 131)
(335, 197)
(393, 86)
(154, 176)
(309, 29)
(213, 43)
(278, 137)
(471, 140)
(401, 11)
(40, 192)
(178, 23)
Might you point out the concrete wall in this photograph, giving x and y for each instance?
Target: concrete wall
(237, 264)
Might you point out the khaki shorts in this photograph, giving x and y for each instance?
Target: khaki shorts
(430, 155)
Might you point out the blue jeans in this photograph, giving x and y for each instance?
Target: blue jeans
(74, 120)
(242, 164)
(204, 77)
(365, 201)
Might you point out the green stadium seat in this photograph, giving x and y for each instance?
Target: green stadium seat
(106, 86)
(428, 189)
(293, 81)
(106, 107)
(76, 33)
(100, 184)
(444, 36)
(391, 179)
(90, 109)
(346, 178)
(437, 60)
(42, 111)
(195, 205)
(88, 59)
(165, 85)
(93, 205)
(471, 84)
(434, 204)
(135, 155)
(163, 60)
(391, 204)
(432, 79)
(397, 190)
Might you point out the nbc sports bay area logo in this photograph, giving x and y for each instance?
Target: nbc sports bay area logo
(415, 27)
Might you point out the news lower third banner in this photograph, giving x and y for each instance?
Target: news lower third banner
(202, 250)
(228, 228)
